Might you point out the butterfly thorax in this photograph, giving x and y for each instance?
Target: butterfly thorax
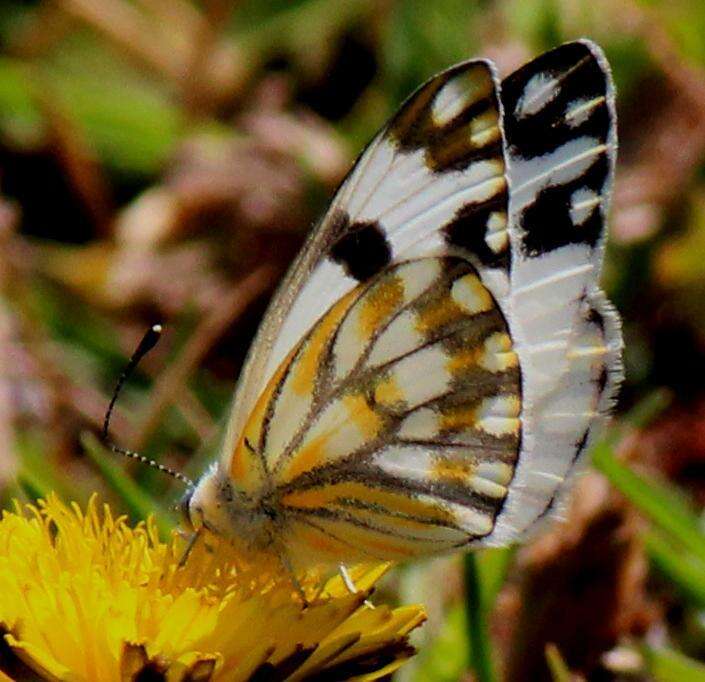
(250, 523)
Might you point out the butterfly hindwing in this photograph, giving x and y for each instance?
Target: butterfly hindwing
(406, 389)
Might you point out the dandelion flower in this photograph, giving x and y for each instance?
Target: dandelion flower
(85, 596)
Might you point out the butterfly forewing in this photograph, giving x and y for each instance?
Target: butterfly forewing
(435, 170)
(560, 128)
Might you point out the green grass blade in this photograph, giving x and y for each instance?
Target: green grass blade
(444, 658)
(475, 603)
(559, 670)
(32, 486)
(658, 502)
(686, 571)
(13, 491)
(492, 566)
(650, 407)
(37, 475)
(667, 665)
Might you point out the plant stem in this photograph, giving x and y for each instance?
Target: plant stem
(480, 653)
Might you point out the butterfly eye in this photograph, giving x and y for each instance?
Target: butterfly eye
(185, 511)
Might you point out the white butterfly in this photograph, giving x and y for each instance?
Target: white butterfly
(437, 360)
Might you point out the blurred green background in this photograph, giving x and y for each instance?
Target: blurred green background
(162, 160)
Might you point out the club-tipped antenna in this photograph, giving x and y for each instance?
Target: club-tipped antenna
(149, 340)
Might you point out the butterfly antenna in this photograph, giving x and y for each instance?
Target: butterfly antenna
(149, 340)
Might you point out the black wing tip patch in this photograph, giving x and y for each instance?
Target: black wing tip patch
(363, 250)
(537, 95)
(444, 132)
(537, 100)
(559, 112)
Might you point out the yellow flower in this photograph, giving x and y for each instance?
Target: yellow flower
(84, 596)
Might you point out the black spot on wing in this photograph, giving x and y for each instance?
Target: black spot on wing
(363, 250)
(468, 229)
(413, 126)
(559, 98)
(547, 221)
(448, 146)
(450, 156)
(578, 78)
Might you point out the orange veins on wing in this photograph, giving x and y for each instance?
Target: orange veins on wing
(308, 457)
(321, 542)
(438, 313)
(378, 543)
(305, 371)
(461, 361)
(457, 417)
(388, 392)
(245, 465)
(379, 303)
(330, 495)
(358, 424)
(393, 547)
(363, 416)
(455, 470)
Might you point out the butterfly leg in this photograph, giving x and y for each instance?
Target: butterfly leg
(189, 548)
(347, 578)
(348, 581)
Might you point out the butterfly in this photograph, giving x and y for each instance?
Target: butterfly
(440, 356)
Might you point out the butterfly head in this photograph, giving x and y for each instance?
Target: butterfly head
(215, 505)
(203, 504)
